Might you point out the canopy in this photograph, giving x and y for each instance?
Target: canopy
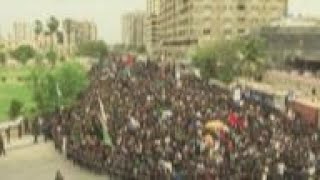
(216, 125)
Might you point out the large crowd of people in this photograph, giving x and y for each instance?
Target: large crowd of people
(158, 122)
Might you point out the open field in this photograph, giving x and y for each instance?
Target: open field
(12, 88)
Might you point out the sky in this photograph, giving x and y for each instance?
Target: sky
(106, 13)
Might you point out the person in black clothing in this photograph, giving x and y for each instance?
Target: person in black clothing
(20, 130)
(2, 148)
(8, 134)
(59, 176)
(36, 130)
(26, 126)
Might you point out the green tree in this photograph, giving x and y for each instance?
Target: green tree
(141, 49)
(118, 48)
(23, 53)
(52, 57)
(253, 58)
(217, 60)
(38, 29)
(15, 108)
(53, 25)
(38, 58)
(95, 49)
(57, 87)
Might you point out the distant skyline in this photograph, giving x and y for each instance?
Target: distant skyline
(106, 13)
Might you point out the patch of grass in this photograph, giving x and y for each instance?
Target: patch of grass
(14, 89)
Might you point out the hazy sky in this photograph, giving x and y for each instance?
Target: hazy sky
(106, 13)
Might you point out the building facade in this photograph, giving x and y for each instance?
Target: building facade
(151, 32)
(293, 38)
(184, 24)
(133, 24)
(23, 33)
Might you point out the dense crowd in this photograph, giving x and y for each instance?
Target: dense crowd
(157, 122)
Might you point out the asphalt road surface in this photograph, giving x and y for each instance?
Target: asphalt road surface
(26, 161)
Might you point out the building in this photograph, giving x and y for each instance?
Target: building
(151, 32)
(294, 39)
(22, 33)
(83, 31)
(80, 31)
(184, 24)
(133, 29)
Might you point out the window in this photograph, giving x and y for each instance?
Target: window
(241, 31)
(206, 31)
(241, 7)
(228, 31)
(241, 19)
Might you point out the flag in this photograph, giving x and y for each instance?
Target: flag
(59, 93)
(233, 120)
(106, 136)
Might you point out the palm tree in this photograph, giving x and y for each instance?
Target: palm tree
(68, 26)
(53, 25)
(38, 28)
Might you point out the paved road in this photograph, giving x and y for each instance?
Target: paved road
(25, 161)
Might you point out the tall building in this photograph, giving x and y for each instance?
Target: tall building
(22, 33)
(184, 24)
(80, 31)
(151, 33)
(84, 31)
(133, 29)
(153, 7)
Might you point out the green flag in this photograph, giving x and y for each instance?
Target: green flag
(106, 137)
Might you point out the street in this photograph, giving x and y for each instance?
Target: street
(39, 162)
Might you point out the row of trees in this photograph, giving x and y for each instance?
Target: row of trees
(52, 29)
(57, 87)
(26, 52)
(226, 60)
(23, 53)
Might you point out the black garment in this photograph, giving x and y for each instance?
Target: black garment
(8, 134)
(36, 130)
(59, 176)
(20, 131)
(2, 149)
(26, 126)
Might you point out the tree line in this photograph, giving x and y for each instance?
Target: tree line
(53, 28)
(226, 60)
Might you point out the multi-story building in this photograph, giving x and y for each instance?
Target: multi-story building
(80, 31)
(184, 24)
(294, 39)
(22, 33)
(83, 31)
(133, 29)
(151, 32)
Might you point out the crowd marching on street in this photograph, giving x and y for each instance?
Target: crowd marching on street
(143, 120)
(155, 124)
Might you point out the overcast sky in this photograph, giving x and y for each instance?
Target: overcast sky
(106, 13)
